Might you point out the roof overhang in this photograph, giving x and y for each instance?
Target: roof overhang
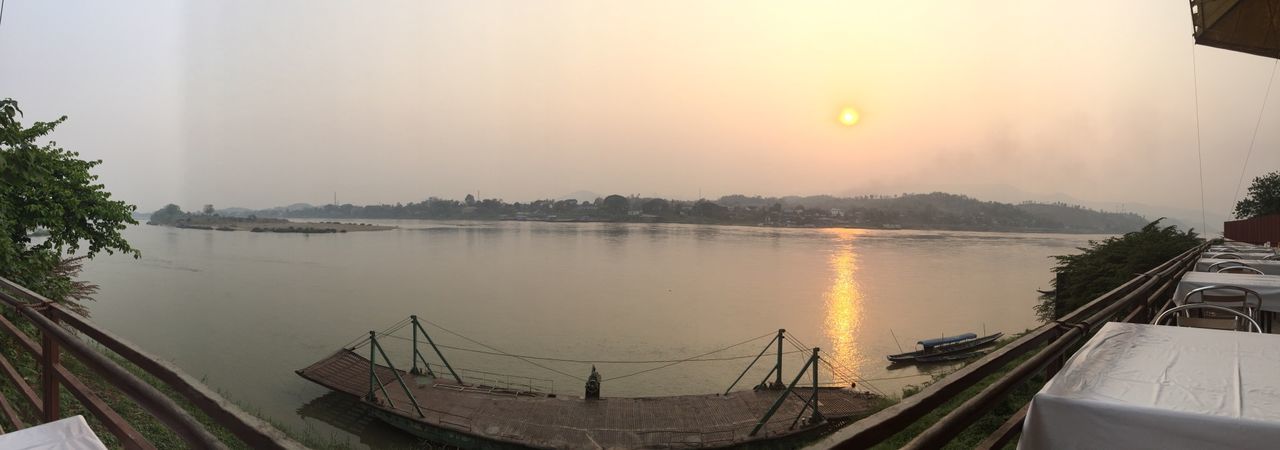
(1249, 26)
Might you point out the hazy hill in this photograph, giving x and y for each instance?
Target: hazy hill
(944, 210)
(924, 211)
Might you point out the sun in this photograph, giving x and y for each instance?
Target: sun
(849, 116)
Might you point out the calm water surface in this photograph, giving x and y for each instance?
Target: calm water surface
(244, 310)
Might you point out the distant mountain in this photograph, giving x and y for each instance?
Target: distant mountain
(234, 211)
(943, 210)
(582, 196)
(1184, 218)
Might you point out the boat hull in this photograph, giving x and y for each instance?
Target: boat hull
(944, 350)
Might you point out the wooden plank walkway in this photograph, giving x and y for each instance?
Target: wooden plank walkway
(704, 421)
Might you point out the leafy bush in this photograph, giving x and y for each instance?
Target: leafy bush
(1104, 265)
(1263, 197)
(45, 187)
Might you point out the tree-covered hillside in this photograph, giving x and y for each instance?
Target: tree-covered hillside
(926, 211)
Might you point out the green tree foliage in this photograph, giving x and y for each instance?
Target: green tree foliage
(655, 206)
(616, 205)
(47, 187)
(169, 214)
(1104, 265)
(1263, 197)
(710, 210)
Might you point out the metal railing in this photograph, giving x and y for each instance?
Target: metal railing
(64, 333)
(1137, 300)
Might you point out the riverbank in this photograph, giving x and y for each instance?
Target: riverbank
(258, 225)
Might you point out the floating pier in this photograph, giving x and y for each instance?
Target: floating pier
(450, 409)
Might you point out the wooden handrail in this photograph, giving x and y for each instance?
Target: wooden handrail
(1057, 336)
(45, 315)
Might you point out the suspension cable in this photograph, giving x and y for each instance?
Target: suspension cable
(590, 361)
(748, 341)
(1256, 126)
(842, 372)
(1195, 83)
(364, 337)
(490, 347)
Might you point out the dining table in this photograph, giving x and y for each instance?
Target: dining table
(1267, 267)
(1267, 286)
(71, 433)
(1161, 387)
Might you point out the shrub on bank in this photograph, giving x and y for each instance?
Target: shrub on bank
(1102, 266)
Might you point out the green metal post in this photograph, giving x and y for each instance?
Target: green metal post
(437, 349)
(765, 381)
(744, 371)
(414, 370)
(817, 416)
(407, 392)
(778, 381)
(371, 397)
(373, 376)
(781, 398)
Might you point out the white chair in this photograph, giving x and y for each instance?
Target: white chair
(1241, 269)
(1220, 264)
(1227, 296)
(1232, 323)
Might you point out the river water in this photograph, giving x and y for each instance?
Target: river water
(244, 310)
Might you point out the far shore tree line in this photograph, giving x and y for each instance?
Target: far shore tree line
(934, 210)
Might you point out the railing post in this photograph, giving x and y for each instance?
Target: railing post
(817, 416)
(373, 341)
(416, 355)
(778, 381)
(48, 371)
(392, 366)
(753, 363)
(787, 390)
(416, 326)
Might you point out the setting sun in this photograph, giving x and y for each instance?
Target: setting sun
(849, 117)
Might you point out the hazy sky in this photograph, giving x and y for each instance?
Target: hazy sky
(257, 104)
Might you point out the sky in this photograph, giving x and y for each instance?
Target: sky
(259, 104)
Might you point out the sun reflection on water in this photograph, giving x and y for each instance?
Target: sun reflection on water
(843, 300)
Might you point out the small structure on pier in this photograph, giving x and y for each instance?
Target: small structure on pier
(593, 385)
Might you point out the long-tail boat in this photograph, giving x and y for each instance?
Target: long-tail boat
(944, 346)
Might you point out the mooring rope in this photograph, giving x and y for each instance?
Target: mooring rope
(838, 370)
(591, 361)
(490, 347)
(748, 341)
(363, 339)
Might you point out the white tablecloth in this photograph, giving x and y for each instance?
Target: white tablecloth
(71, 433)
(1136, 386)
(1267, 267)
(1242, 250)
(1266, 285)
